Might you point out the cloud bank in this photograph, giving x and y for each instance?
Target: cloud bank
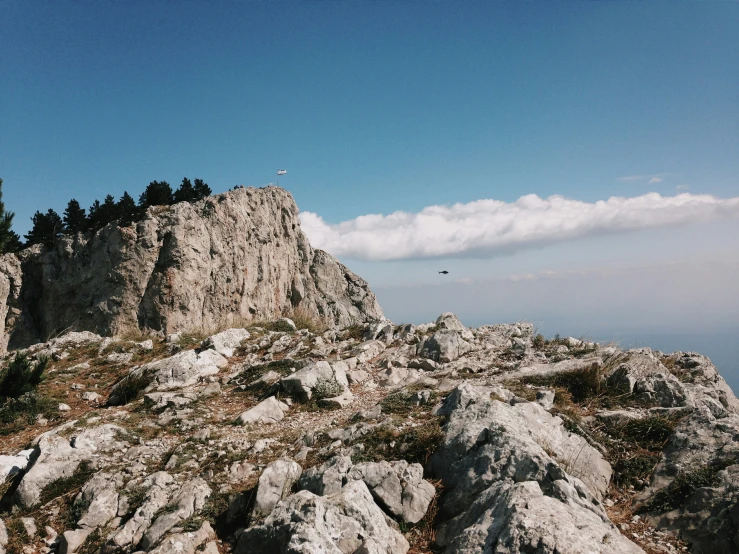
(488, 227)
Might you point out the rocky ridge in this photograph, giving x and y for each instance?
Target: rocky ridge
(371, 438)
(225, 260)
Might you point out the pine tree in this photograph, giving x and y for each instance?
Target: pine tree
(75, 219)
(128, 212)
(186, 192)
(46, 228)
(102, 214)
(201, 189)
(9, 239)
(108, 211)
(93, 217)
(158, 193)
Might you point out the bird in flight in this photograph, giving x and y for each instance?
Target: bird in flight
(445, 272)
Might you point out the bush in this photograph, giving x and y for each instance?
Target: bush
(21, 376)
(327, 388)
(129, 388)
(677, 493)
(582, 384)
(17, 413)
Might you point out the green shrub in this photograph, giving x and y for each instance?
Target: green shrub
(582, 384)
(17, 413)
(21, 375)
(280, 326)
(327, 388)
(130, 387)
(254, 372)
(677, 493)
(67, 484)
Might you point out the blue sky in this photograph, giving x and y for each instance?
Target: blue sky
(380, 107)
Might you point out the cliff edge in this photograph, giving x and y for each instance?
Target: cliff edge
(229, 258)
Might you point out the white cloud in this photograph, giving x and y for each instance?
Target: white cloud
(488, 227)
(682, 188)
(653, 179)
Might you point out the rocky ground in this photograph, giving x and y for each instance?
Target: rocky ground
(372, 439)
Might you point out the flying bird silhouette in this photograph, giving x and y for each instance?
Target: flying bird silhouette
(445, 272)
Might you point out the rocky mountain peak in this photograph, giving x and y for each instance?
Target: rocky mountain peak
(227, 259)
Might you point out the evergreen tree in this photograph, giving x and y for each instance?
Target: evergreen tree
(108, 211)
(186, 192)
(9, 239)
(93, 216)
(128, 212)
(158, 193)
(201, 189)
(75, 219)
(102, 214)
(46, 228)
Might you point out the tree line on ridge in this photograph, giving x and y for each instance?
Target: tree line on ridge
(75, 219)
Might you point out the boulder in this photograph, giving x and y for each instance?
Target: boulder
(327, 478)
(159, 488)
(274, 484)
(226, 342)
(700, 464)
(57, 457)
(533, 483)
(270, 410)
(443, 346)
(189, 500)
(186, 542)
(302, 383)
(366, 351)
(398, 487)
(10, 466)
(347, 521)
(514, 517)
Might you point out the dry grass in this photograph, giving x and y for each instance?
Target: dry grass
(422, 535)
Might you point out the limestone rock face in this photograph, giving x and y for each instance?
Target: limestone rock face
(232, 257)
(343, 522)
(533, 483)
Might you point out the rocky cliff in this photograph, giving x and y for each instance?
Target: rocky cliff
(374, 439)
(230, 258)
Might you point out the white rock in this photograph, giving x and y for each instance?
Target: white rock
(226, 342)
(274, 484)
(270, 410)
(347, 521)
(10, 466)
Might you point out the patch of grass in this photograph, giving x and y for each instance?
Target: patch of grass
(21, 375)
(67, 485)
(279, 326)
(582, 384)
(685, 484)
(422, 535)
(92, 544)
(539, 341)
(635, 447)
(303, 319)
(400, 402)
(413, 444)
(130, 387)
(134, 499)
(18, 413)
(17, 536)
(252, 373)
(354, 331)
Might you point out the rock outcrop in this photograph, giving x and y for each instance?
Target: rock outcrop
(234, 443)
(237, 256)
